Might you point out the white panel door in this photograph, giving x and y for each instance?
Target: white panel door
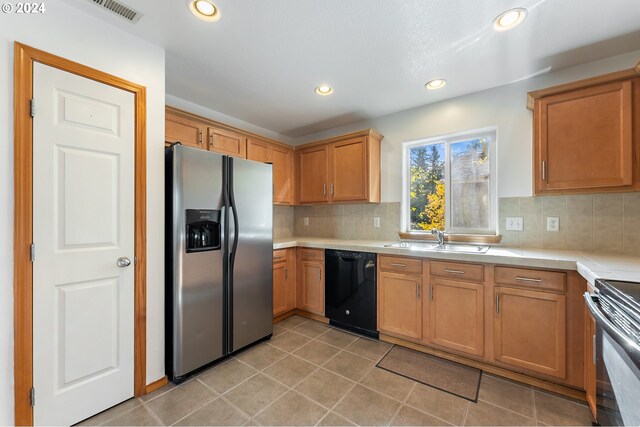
(83, 222)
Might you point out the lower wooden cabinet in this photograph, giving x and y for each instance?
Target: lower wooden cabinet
(400, 304)
(284, 281)
(526, 320)
(310, 295)
(456, 315)
(530, 330)
(280, 278)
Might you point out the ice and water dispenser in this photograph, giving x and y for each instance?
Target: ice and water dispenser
(203, 230)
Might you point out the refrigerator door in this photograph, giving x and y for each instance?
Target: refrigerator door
(251, 252)
(196, 289)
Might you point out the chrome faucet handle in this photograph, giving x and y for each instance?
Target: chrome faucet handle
(439, 234)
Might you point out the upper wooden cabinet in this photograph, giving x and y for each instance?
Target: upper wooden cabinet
(227, 142)
(281, 158)
(199, 132)
(188, 132)
(259, 151)
(340, 169)
(586, 136)
(313, 174)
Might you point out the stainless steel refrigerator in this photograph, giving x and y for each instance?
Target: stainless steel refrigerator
(219, 243)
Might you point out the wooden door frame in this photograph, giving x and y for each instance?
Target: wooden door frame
(24, 58)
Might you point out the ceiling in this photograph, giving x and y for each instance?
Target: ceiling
(262, 60)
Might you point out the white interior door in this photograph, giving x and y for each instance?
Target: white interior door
(83, 222)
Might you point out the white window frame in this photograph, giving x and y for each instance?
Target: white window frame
(448, 140)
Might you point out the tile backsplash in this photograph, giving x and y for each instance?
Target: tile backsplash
(591, 222)
(354, 221)
(283, 221)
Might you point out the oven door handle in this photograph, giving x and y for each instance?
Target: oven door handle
(611, 328)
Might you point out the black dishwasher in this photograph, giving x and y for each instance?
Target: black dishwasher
(350, 290)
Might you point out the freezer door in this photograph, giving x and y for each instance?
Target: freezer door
(197, 288)
(251, 257)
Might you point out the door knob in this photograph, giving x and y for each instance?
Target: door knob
(123, 262)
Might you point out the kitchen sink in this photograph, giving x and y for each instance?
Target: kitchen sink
(434, 247)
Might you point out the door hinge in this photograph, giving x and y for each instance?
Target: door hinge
(135, 260)
(32, 396)
(32, 107)
(32, 252)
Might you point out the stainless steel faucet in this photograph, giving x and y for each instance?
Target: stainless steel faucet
(439, 234)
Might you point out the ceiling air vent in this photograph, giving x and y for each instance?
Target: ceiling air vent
(125, 12)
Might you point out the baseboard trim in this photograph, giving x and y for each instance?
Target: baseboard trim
(156, 385)
(312, 316)
(281, 317)
(308, 315)
(491, 369)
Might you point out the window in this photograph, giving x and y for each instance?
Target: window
(449, 184)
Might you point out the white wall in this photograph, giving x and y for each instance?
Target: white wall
(504, 107)
(67, 32)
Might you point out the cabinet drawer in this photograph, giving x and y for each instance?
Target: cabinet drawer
(307, 254)
(279, 255)
(400, 264)
(456, 270)
(538, 279)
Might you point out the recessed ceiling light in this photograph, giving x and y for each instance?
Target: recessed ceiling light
(204, 9)
(324, 90)
(509, 19)
(435, 84)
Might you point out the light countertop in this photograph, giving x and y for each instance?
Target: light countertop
(590, 265)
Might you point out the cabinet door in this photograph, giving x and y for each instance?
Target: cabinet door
(530, 330)
(280, 288)
(290, 276)
(399, 304)
(258, 151)
(282, 159)
(227, 142)
(312, 287)
(188, 132)
(313, 174)
(456, 315)
(584, 139)
(348, 166)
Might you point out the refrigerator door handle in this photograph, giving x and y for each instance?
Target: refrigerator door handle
(234, 211)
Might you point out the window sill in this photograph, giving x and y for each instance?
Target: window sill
(453, 238)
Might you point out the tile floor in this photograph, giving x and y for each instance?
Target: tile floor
(312, 374)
